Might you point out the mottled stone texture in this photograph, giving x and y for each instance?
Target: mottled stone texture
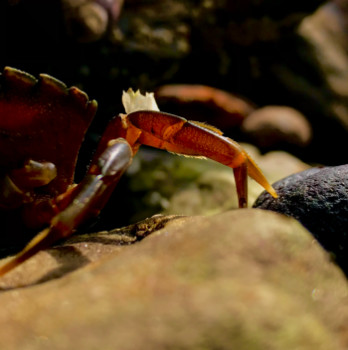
(318, 198)
(245, 279)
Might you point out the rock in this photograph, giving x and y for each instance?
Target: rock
(325, 31)
(318, 198)
(245, 279)
(80, 250)
(277, 127)
(86, 21)
(277, 164)
(204, 103)
(324, 92)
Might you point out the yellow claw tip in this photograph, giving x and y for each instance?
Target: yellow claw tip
(273, 193)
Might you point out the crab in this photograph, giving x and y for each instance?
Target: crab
(42, 126)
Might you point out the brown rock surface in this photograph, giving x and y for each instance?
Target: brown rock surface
(278, 127)
(245, 279)
(326, 32)
(204, 103)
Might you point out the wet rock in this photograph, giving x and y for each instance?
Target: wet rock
(277, 127)
(318, 198)
(246, 279)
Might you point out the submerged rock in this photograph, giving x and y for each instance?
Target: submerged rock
(318, 198)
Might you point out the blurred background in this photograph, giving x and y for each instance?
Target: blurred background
(270, 73)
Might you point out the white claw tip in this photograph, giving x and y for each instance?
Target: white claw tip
(135, 101)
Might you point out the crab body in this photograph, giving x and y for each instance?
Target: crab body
(44, 121)
(42, 126)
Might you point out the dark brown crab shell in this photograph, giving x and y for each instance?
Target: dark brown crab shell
(43, 120)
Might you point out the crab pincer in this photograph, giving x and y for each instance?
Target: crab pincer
(178, 135)
(175, 134)
(84, 202)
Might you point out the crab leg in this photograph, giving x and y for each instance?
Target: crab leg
(240, 175)
(86, 201)
(178, 135)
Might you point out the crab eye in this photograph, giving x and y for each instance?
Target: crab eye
(135, 101)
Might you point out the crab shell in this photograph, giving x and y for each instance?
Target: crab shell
(43, 120)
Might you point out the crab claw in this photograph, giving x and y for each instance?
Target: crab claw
(84, 202)
(178, 135)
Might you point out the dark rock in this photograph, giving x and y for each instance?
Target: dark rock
(325, 33)
(318, 198)
(86, 21)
